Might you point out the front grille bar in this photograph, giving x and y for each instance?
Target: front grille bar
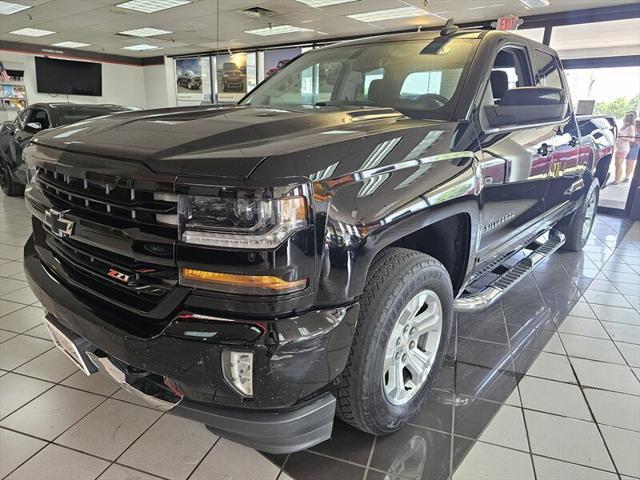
(100, 198)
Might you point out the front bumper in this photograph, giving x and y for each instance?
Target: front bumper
(295, 361)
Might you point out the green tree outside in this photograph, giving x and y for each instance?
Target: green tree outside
(618, 107)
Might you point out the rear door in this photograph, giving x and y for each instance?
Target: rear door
(516, 160)
(567, 167)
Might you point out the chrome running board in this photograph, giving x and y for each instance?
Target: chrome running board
(473, 302)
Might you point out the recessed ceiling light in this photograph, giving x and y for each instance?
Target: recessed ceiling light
(389, 14)
(535, 3)
(277, 30)
(324, 3)
(7, 8)
(32, 32)
(142, 47)
(144, 32)
(70, 44)
(150, 6)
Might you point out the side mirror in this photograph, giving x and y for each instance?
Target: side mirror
(33, 127)
(528, 105)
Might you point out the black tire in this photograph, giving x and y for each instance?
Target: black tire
(395, 277)
(9, 186)
(574, 231)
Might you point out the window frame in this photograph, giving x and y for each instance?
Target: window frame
(526, 50)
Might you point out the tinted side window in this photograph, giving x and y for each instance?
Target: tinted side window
(40, 116)
(548, 73)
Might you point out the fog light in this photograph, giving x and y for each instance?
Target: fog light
(237, 368)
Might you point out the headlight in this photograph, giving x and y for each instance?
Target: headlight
(241, 220)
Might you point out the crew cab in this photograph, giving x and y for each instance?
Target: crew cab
(263, 267)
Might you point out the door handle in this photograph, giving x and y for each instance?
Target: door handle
(544, 150)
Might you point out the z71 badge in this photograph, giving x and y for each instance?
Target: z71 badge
(122, 277)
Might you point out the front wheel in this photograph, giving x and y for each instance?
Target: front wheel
(9, 186)
(404, 325)
(579, 228)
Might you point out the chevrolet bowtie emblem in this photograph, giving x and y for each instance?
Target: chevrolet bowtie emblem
(59, 226)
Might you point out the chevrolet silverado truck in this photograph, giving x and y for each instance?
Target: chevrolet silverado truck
(263, 267)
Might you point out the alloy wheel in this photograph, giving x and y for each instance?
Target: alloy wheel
(590, 215)
(412, 347)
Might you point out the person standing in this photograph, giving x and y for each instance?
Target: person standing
(633, 155)
(626, 136)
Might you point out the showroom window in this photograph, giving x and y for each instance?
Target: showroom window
(593, 87)
(535, 34)
(421, 83)
(601, 39)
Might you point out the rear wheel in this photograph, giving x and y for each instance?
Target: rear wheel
(9, 186)
(579, 228)
(403, 330)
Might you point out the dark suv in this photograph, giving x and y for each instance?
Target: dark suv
(261, 267)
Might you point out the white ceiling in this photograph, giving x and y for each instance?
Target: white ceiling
(194, 25)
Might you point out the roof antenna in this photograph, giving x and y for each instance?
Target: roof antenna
(449, 28)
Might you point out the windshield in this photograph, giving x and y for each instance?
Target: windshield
(420, 78)
(73, 115)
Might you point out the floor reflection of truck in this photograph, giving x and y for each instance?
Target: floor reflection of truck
(189, 80)
(279, 66)
(232, 77)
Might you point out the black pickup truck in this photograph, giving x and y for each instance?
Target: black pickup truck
(262, 267)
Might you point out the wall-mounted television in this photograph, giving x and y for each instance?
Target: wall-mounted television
(68, 77)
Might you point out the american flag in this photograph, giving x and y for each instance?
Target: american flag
(4, 76)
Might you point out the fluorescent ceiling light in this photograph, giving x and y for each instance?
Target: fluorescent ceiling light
(389, 14)
(323, 3)
(535, 3)
(7, 8)
(150, 6)
(277, 30)
(32, 32)
(144, 32)
(70, 44)
(142, 47)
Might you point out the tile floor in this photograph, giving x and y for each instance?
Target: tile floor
(544, 385)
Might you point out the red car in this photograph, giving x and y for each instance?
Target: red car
(279, 66)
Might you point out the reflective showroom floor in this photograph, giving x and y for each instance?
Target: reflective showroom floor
(544, 385)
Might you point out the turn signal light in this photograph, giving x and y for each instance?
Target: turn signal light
(234, 283)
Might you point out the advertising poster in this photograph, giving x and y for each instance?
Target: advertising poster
(232, 77)
(189, 75)
(274, 60)
(193, 80)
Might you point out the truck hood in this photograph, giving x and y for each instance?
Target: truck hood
(228, 142)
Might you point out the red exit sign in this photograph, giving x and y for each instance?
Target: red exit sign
(510, 22)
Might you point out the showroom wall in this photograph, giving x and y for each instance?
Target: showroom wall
(121, 84)
(159, 88)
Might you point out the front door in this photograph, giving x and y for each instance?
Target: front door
(515, 163)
